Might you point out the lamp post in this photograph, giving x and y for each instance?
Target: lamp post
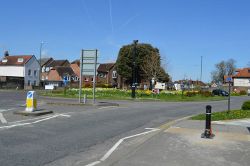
(40, 61)
(133, 70)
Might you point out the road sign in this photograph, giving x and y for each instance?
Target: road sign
(229, 79)
(89, 62)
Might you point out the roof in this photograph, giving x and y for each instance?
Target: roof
(55, 63)
(77, 61)
(243, 73)
(105, 67)
(45, 61)
(64, 70)
(13, 60)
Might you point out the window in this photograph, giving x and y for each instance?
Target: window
(43, 69)
(29, 72)
(114, 74)
(42, 77)
(47, 69)
(4, 60)
(86, 79)
(46, 77)
(35, 73)
(28, 82)
(20, 60)
(248, 71)
(34, 83)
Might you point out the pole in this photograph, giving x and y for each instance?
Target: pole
(40, 62)
(80, 81)
(201, 70)
(229, 94)
(208, 129)
(94, 79)
(133, 70)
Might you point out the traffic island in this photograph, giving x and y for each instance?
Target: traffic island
(34, 113)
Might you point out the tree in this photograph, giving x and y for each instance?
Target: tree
(148, 63)
(223, 68)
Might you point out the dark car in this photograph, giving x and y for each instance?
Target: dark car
(220, 92)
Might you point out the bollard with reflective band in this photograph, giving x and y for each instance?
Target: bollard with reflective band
(208, 129)
(31, 101)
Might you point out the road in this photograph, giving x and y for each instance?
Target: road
(78, 135)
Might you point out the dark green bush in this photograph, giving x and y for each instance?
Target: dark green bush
(246, 105)
(243, 92)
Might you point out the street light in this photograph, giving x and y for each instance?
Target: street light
(40, 60)
(133, 70)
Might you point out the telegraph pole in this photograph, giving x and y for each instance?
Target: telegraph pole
(133, 69)
(201, 70)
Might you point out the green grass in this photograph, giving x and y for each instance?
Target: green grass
(225, 115)
(116, 94)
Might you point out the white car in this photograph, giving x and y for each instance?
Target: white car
(248, 92)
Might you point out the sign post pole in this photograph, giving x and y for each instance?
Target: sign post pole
(94, 79)
(80, 81)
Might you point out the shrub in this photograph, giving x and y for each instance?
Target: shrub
(242, 92)
(190, 94)
(246, 105)
(87, 85)
(206, 93)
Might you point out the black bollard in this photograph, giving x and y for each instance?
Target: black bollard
(208, 130)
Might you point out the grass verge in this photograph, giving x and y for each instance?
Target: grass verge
(225, 115)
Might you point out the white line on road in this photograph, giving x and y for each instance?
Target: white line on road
(2, 119)
(29, 123)
(118, 143)
(94, 163)
(107, 107)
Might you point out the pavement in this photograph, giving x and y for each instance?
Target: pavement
(181, 144)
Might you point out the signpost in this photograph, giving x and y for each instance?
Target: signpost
(229, 80)
(88, 67)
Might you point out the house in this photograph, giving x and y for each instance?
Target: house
(19, 71)
(61, 75)
(242, 78)
(50, 64)
(106, 74)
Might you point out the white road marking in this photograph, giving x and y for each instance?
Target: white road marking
(29, 123)
(2, 119)
(118, 143)
(94, 163)
(107, 107)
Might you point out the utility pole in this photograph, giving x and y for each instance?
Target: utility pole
(201, 70)
(133, 70)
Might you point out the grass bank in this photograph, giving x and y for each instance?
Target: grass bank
(116, 94)
(225, 115)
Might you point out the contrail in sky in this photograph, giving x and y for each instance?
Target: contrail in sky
(128, 21)
(111, 18)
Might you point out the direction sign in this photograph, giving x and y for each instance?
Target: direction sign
(229, 79)
(89, 62)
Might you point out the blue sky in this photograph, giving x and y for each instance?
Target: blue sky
(183, 30)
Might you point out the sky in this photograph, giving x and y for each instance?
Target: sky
(183, 30)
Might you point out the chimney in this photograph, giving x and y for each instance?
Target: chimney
(6, 53)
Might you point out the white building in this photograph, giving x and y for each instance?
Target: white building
(19, 71)
(242, 78)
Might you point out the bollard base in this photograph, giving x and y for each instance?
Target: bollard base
(35, 113)
(207, 136)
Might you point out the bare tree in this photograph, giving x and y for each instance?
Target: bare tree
(223, 68)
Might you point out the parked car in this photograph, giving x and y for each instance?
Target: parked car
(248, 92)
(220, 92)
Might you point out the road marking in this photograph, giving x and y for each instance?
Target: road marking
(29, 123)
(2, 119)
(107, 107)
(94, 163)
(118, 143)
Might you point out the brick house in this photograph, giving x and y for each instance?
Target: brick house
(49, 65)
(106, 74)
(19, 71)
(57, 76)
